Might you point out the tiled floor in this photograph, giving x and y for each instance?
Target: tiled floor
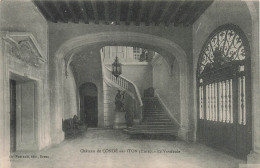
(69, 153)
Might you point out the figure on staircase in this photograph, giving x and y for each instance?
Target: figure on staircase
(119, 101)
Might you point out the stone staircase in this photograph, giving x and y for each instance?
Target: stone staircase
(155, 120)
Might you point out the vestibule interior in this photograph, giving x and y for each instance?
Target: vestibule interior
(61, 54)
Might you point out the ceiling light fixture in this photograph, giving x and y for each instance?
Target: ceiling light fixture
(116, 66)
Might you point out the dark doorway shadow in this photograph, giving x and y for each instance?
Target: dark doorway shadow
(91, 111)
(12, 115)
(89, 104)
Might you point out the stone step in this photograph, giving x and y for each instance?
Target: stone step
(151, 102)
(152, 110)
(154, 130)
(151, 122)
(150, 129)
(157, 132)
(156, 118)
(156, 123)
(146, 102)
(156, 115)
(156, 127)
(149, 98)
(152, 105)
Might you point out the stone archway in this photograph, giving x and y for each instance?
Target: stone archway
(122, 38)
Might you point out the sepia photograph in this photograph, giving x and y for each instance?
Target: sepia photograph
(129, 84)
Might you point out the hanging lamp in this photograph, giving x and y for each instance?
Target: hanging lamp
(116, 66)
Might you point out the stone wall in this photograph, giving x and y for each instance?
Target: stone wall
(70, 96)
(23, 16)
(166, 82)
(20, 19)
(109, 104)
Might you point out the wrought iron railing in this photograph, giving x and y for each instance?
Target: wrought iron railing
(128, 86)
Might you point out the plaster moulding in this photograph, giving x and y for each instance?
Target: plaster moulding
(25, 47)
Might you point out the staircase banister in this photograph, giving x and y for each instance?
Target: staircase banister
(138, 95)
(108, 82)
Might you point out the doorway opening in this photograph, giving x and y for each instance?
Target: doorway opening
(223, 80)
(23, 113)
(12, 115)
(89, 104)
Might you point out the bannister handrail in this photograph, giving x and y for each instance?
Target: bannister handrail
(137, 92)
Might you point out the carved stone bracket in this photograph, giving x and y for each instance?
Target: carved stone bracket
(24, 48)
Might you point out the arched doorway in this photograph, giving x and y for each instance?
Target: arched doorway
(89, 104)
(125, 38)
(224, 93)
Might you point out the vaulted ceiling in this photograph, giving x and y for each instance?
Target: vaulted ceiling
(136, 12)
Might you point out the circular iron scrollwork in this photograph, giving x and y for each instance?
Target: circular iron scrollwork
(226, 44)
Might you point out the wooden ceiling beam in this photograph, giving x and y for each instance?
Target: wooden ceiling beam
(61, 15)
(187, 13)
(129, 12)
(178, 12)
(151, 14)
(200, 10)
(70, 8)
(106, 12)
(46, 9)
(191, 14)
(177, 9)
(40, 8)
(140, 13)
(94, 7)
(118, 12)
(165, 10)
(83, 11)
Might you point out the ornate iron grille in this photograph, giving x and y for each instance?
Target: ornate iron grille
(223, 57)
(226, 44)
(223, 80)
